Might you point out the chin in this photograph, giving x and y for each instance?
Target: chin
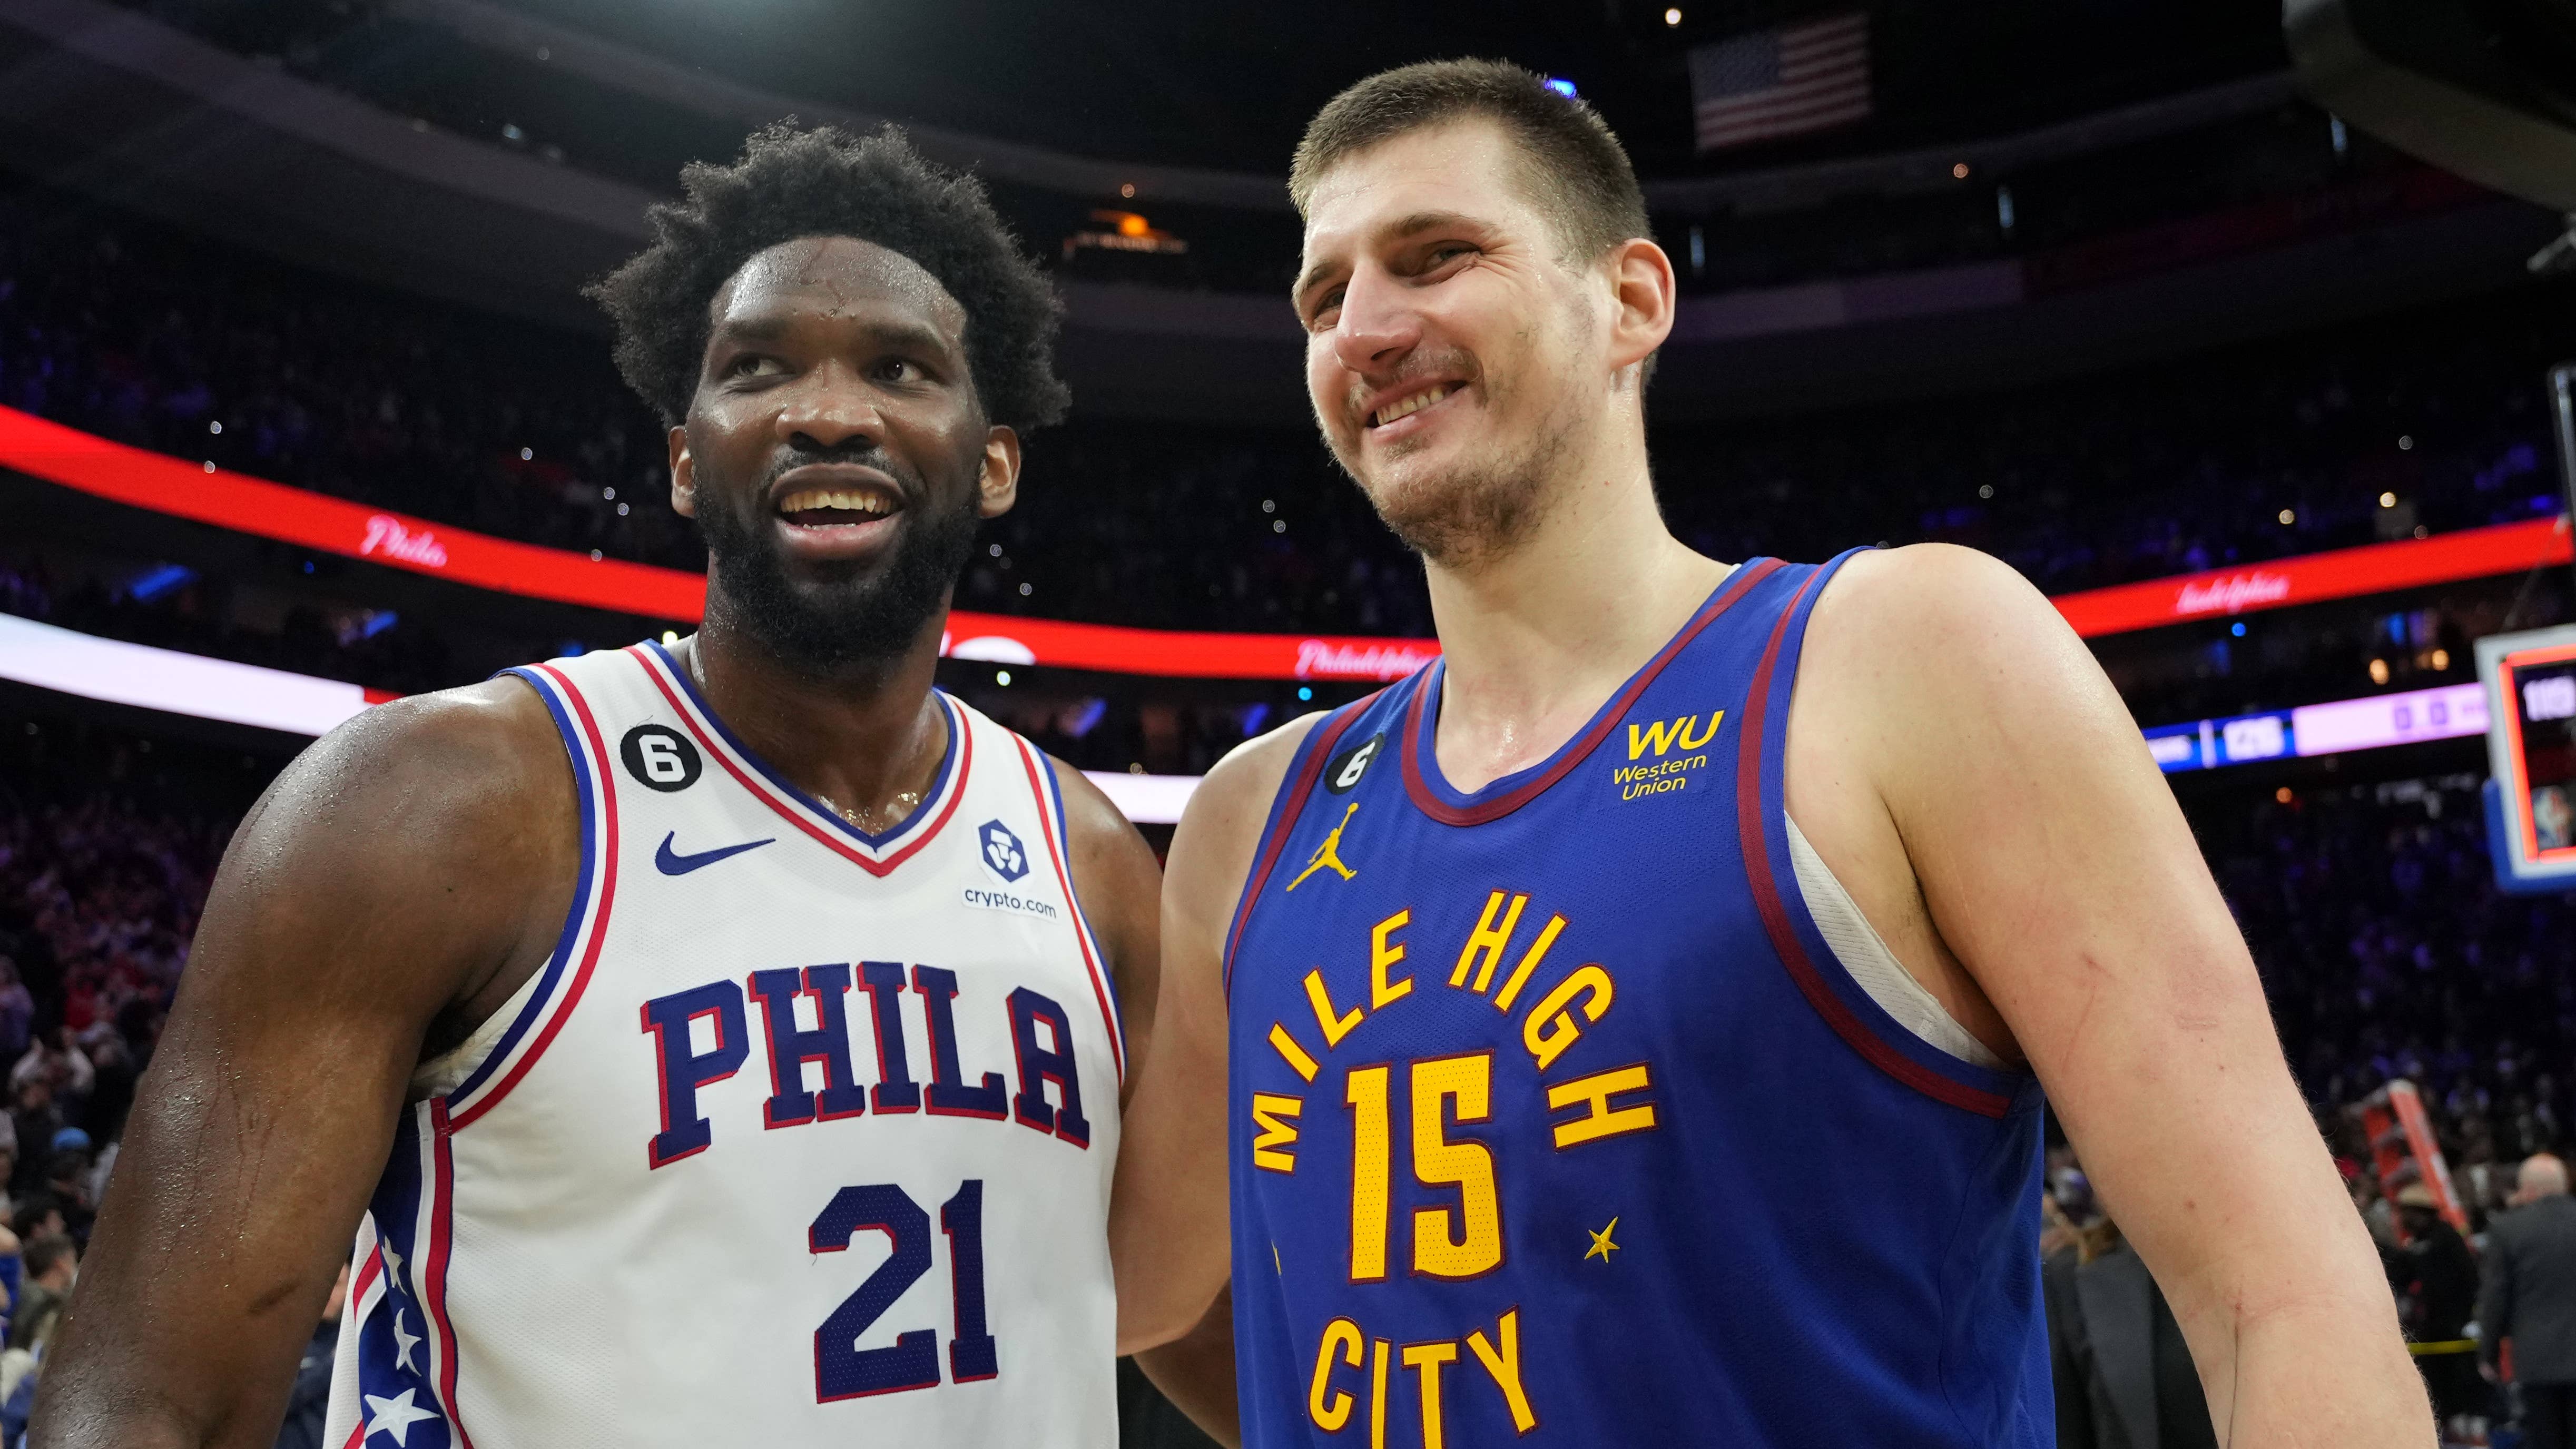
(1456, 506)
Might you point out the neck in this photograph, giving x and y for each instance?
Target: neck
(863, 737)
(1535, 640)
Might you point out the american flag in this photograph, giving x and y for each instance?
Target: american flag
(1783, 82)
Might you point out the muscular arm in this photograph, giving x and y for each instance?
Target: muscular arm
(393, 886)
(1121, 886)
(1952, 723)
(1167, 1218)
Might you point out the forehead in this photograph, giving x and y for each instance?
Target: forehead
(1468, 167)
(835, 278)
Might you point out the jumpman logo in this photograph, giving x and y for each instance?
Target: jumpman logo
(1328, 856)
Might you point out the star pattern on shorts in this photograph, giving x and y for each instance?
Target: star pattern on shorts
(404, 1340)
(393, 1263)
(394, 1417)
(1602, 1247)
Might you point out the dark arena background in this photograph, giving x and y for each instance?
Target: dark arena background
(2232, 330)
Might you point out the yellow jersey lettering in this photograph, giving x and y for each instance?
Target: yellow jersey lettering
(1488, 940)
(1520, 976)
(1377, 1392)
(1503, 1365)
(1469, 1242)
(1384, 953)
(1335, 1026)
(1599, 1119)
(1271, 1150)
(1550, 1028)
(1365, 1089)
(1331, 1414)
(1658, 737)
(1427, 1360)
(1291, 1053)
(1682, 736)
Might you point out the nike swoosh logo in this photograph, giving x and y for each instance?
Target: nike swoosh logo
(671, 862)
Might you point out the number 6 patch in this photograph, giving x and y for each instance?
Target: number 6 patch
(660, 758)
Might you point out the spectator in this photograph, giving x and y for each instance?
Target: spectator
(309, 1402)
(2529, 1297)
(17, 1011)
(38, 1216)
(2135, 1384)
(67, 1180)
(35, 1121)
(52, 1263)
(2437, 1281)
(59, 1063)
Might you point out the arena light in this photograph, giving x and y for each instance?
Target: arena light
(2373, 722)
(70, 662)
(110, 670)
(318, 522)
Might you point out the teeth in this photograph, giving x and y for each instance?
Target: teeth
(850, 501)
(1411, 405)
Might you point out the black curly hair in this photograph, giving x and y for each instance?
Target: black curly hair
(796, 182)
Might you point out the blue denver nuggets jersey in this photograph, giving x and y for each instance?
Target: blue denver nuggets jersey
(1553, 1114)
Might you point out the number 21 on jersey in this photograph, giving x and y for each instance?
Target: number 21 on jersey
(842, 1370)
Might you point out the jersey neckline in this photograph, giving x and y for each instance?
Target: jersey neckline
(937, 803)
(1440, 800)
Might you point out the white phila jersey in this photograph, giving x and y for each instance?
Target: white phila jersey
(802, 1136)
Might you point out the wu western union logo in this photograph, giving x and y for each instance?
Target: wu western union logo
(1328, 856)
(1659, 738)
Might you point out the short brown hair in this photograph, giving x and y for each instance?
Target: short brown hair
(1577, 168)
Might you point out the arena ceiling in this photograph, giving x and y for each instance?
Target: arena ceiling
(1228, 85)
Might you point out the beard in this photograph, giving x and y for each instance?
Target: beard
(1476, 508)
(847, 613)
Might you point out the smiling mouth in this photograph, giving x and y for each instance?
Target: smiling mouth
(837, 507)
(1410, 404)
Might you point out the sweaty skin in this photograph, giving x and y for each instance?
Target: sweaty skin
(1955, 755)
(406, 875)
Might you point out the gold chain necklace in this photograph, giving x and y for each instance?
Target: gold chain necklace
(898, 810)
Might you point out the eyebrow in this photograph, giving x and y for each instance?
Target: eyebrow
(773, 326)
(1409, 226)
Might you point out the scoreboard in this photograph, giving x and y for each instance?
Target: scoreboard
(2530, 683)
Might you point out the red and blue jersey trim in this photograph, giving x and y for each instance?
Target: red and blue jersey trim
(878, 855)
(1433, 795)
(1303, 768)
(1049, 794)
(1762, 828)
(406, 1244)
(567, 972)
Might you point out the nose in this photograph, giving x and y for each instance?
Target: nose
(1378, 325)
(828, 408)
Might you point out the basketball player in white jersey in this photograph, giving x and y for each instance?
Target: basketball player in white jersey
(757, 1078)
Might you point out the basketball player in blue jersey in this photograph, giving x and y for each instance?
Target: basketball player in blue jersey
(753, 1080)
(1632, 1029)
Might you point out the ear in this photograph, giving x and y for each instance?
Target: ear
(999, 483)
(1642, 288)
(684, 475)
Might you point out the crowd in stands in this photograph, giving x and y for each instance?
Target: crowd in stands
(114, 325)
(99, 895)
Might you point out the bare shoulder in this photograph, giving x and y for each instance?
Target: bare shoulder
(1212, 848)
(1093, 823)
(1235, 797)
(455, 759)
(1938, 631)
(1895, 602)
(444, 822)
